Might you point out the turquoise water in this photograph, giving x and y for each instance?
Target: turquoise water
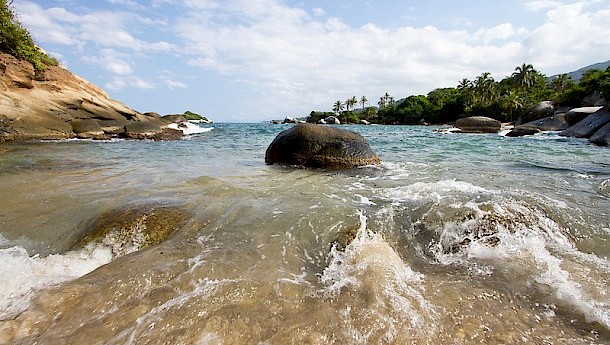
(458, 238)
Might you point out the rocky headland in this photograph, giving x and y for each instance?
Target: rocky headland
(55, 104)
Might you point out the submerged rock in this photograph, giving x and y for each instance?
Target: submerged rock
(320, 147)
(522, 131)
(132, 228)
(478, 124)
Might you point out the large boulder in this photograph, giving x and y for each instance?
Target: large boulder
(538, 111)
(332, 120)
(602, 136)
(587, 127)
(320, 147)
(88, 129)
(478, 124)
(574, 116)
(142, 130)
(556, 122)
(522, 131)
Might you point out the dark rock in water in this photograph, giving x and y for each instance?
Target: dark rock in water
(320, 147)
(552, 123)
(478, 124)
(602, 136)
(332, 120)
(576, 115)
(174, 118)
(522, 131)
(87, 129)
(538, 111)
(587, 127)
(133, 228)
(142, 130)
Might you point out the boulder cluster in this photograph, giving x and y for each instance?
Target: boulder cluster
(56, 104)
(592, 123)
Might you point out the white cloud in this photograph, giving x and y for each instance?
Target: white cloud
(318, 11)
(119, 83)
(102, 28)
(539, 5)
(173, 84)
(110, 60)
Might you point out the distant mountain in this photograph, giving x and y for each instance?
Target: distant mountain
(576, 75)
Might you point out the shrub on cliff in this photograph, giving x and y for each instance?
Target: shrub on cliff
(16, 40)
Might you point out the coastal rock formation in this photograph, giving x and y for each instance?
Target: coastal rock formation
(132, 228)
(552, 123)
(56, 104)
(478, 124)
(522, 131)
(320, 147)
(538, 111)
(588, 126)
(575, 115)
(602, 136)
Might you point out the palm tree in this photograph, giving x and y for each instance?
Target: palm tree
(363, 101)
(382, 102)
(561, 82)
(525, 75)
(337, 107)
(485, 87)
(351, 102)
(464, 84)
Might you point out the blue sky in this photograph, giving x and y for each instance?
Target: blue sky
(254, 60)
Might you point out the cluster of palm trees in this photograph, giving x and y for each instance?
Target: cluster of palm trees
(510, 94)
(385, 100)
(349, 104)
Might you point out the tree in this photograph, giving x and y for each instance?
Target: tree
(338, 107)
(350, 103)
(363, 101)
(561, 82)
(16, 40)
(524, 76)
(382, 102)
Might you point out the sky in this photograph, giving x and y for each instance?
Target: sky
(256, 60)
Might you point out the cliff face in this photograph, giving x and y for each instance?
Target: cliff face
(56, 104)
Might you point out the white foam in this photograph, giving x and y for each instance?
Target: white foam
(189, 128)
(21, 274)
(528, 238)
(434, 190)
(370, 264)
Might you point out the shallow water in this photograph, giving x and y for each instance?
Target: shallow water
(457, 239)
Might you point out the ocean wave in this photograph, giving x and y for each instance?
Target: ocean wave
(21, 274)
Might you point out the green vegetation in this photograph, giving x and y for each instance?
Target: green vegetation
(193, 116)
(503, 100)
(16, 40)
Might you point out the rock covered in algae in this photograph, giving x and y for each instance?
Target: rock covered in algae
(132, 228)
(320, 146)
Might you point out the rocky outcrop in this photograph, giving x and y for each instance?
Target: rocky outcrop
(602, 136)
(331, 120)
(132, 228)
(575, 115)
(319, 146)
(552, 123)
(588, 126)
(56, 104)
(522, 131)
(478, 124)
(538, 111)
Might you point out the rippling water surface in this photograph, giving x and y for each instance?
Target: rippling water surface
(454, 238)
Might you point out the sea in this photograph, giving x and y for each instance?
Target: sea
(452, 239)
